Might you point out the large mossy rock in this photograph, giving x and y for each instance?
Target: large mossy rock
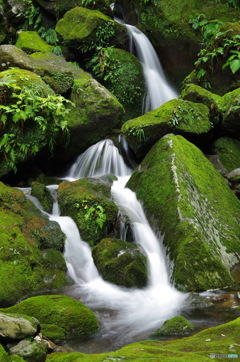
(95, 114)
(84, 30)
(30, 350)
(88, 202)
(60, 310)
(189, 201)
(125, 79)
(121, 262)
(59, 78)
(31, 42)
(176, 326)
(228, 151)
(30, 248)
(199, 347)
(175, 116)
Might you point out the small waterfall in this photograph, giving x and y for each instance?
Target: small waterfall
(101, 159)
(158, 89)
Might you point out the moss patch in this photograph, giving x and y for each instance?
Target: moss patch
(30, 42)
(228, 150)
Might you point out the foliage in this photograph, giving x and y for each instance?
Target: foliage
(231, 3)
(88, 3)
(24, 108)
(32, 16)
(93, 212)
(213, 56)
(104, 35)
(137, 132)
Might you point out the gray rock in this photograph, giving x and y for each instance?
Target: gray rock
(15, 326)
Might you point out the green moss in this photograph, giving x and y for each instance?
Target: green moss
(43, 195)
(53, 332)
(201, 230)
(175, 116)
(228, 150)
(223, 339)
(230, 124)
(30, 42)
(78, 198)
(121, 262)
(175, 326)
(64, 312)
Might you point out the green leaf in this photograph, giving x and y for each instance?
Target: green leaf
(235, 65)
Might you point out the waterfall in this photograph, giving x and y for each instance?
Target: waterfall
(125, 314)
(158, 89)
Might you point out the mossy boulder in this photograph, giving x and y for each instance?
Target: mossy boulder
(84, 30)
(231, 119)
(88, 202)
(31, 42)
(228, 151)
(59, 78)
(53, 332)
(214, 102)
(175, 116)
(95, 114)
(180, 190)
(60, 310)
(176, 326)
(125, 79)
(121, 262)
(30, 251)
(43, 195)
(30, 350)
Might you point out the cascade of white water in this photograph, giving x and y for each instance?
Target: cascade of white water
(133, 311)
(102, 158)
(158, 89)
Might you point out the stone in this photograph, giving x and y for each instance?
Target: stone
(15, 326)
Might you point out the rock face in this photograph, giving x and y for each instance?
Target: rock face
(15, 326)
(88, 202)
(30, 252)
(175, 116)
(62, 311)
(180, 190)
(121, 263)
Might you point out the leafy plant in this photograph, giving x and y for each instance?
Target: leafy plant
(104, 35)
(138, 132)
(233, 61)
(93, 212)
(88, 3)
(32, 16)
(24, 109)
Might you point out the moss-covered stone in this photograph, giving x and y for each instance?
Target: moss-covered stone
(30, 350)
(53, 332)
(199, 347)
(59, 78)
(231, 119)
(121, 262)
(30, 42)
(62, 311)
(228, 151)
(28, 261)
(180, 189)
(83, 29)
(175, 116)
(18, 326)
(95, 114)
(43, 195)
(176, 326)
(214, 102)
(88, 202)
(125, 79)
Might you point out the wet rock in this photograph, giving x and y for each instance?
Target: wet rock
(16, 326)
(175, 326)
(32, 351)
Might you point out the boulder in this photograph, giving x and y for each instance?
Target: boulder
(121, 262)
(231, 119)
(180, 191)
(43, 195)
(228, 151)
(31, 42)
(88, 202)
(214, 102)
(31, 351)
(60, 310)
(95, 114)
(175, 116)
(30, 252)
(16, 326)
(123, 76)
(59, 78)
(176, 326)
(84, 30)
